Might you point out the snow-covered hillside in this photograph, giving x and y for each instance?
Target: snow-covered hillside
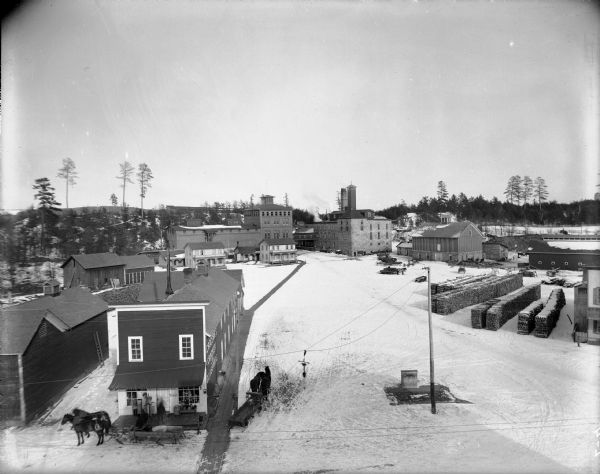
(533, 402)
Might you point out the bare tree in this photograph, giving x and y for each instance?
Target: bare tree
(527, 189)
(114, 200)
(540, 191)
(126, 170)
(144, 178)
(69, 174)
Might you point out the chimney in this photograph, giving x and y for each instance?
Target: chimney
(202, 269)
(187, 275)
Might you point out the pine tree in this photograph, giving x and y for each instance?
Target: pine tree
(540, 191)
(125, 173)
(442, 192)
(47, 205)
(69, 174)
(114, 200)
(144, 178)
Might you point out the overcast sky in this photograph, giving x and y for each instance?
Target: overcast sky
(228, 99)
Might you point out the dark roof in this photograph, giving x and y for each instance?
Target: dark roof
(539, 246)
(205, 245)
(219, 287)
(246, 250)
(452, 230)
(279, 241)
(18, 324)
(136, 261)
(158, 377)
(237, 274)
(96, 260)
(493, 242)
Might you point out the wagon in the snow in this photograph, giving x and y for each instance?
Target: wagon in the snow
(250, 407)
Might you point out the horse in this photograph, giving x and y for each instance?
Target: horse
(100, 417)
(84, 422)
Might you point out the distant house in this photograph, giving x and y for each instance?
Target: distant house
(151, 254)
(495, 251)
(95, 270)
(456, 241)
(277, 251)
(446, 217)
(204, 253)
(404, 248)
(46, 345)
(304, 238)
(246, 254)
(587, 305)
(136, 268)
(569, 257)
(177, 257)
(161, 357)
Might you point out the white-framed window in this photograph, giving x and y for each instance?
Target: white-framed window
(132, 396)
(596, 326)
(135, 345)
(186, 346)
(189, 395)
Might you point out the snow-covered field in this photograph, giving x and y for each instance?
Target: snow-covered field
(533, 402)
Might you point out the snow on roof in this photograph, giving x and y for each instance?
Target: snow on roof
(574, 244)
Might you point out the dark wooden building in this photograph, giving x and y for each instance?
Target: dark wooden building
(495, 251)
(161, 357)
(223, 289)
(304, 238)
(136, 268)
(47, 344)
(456, 241)
(546, 257)
(93, 270)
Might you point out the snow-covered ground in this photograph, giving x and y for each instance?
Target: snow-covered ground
(533, 402)
(46, 446)
(574, 245)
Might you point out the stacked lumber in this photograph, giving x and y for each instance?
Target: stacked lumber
(509, 305)
(546, 319)
(526, 322)
(474, 293)
(479, 313)
(456, 283)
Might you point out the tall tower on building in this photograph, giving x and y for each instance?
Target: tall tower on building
(351, 197)
(343, 199)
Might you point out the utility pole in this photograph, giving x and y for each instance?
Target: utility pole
(431, 372)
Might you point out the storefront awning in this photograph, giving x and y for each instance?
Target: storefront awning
(146, 378)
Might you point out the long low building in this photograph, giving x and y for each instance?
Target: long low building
(566, 255)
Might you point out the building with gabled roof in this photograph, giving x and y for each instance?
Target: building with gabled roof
(94, 270)
(136, 268)
(277, 251)
(204, 253)
(456, 241)
(221, 292)
(46, 345)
